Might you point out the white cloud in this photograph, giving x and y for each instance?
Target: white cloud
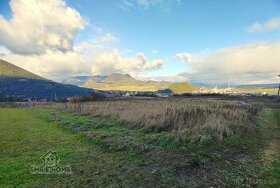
(101, 43)
(170, 78)
(39, 38)
(37, 26)
(95, 56)
(166, 4)
(270, 25)
(52, 64)
(147, 3)
(253, 62)
(58, 65)
(127, 51)
(126, 3)
(110, 62)
(108, 37)
(186, 57)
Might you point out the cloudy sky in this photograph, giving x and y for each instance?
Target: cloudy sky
(196, 40)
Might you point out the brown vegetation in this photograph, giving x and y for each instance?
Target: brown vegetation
(190, 119)
(194, 120)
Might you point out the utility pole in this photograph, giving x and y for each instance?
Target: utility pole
(229, 83)
(55, 97)
(279, 87)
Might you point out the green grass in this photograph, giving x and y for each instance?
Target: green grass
(260, 165)
(104, 152)
(135, 85)
(24, 139)
(127, 86)
(182, 87)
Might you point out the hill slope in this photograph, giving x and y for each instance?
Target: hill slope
(119, 78)
(124, 82)
(182, 87)
(81, 80)
(17, 82)
(9, 70)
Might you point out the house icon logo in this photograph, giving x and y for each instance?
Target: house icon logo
(50, 165)
(50, 159)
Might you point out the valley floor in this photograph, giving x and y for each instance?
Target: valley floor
(106, 153)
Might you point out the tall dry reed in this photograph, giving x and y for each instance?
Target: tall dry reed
(190, 119)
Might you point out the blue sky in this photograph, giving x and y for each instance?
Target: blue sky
(192, 25)
(161, 29)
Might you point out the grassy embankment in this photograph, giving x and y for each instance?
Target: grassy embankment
(105, 152)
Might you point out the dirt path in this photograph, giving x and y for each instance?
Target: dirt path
(270, 127)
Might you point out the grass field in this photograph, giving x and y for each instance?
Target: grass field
(191, 120)
(105, 152)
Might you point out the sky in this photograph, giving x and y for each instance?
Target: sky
(176, 40)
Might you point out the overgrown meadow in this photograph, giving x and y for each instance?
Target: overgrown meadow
(144, 142)
(191, 120)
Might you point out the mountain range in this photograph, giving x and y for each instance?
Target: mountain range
(17, 82)
(125, 82)
(20, 83)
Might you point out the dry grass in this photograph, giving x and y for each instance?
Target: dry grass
(194, 120)
(190, 119)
